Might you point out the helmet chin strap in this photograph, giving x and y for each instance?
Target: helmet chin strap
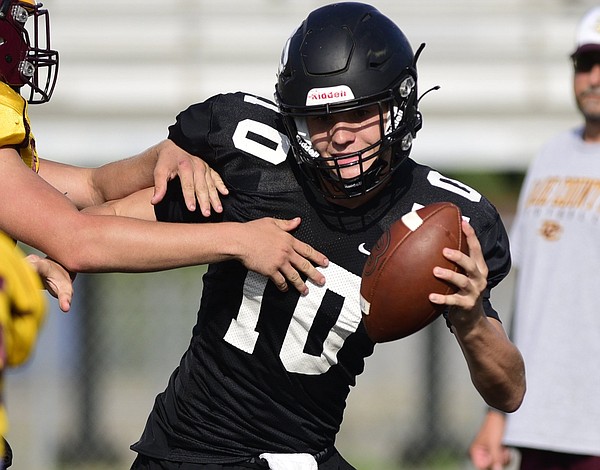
(371, 173)
(355, 186)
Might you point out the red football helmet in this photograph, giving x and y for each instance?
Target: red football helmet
(25, 56)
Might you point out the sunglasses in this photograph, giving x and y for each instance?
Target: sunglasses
(585, 62)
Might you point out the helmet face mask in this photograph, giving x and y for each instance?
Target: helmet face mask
(347, 57)
(26, 58)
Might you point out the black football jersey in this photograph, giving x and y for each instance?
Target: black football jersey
(268, 371)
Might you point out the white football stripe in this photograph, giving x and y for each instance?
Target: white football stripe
(365, 305)
(412, 220)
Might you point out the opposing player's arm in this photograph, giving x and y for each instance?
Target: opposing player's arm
(137, 205)
(92, 186)
(34, 213)
(272, 252)
(495, 364)
(154, 167)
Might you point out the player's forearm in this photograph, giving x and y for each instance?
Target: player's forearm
(72, 181)
(106, 243)
(118, 179)
(496, 365)
(87, 187)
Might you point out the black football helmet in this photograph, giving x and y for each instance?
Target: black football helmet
(346, 56)
(25, 56)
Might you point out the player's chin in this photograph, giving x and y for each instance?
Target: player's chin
(349, 174)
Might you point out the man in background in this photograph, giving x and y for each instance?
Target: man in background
(555, 246)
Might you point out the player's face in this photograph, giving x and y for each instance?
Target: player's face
(586, 85)
(336, 135)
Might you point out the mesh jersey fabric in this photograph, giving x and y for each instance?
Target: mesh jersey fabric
(15, 129)
(268, 371)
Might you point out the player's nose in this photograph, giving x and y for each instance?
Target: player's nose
(342, 133)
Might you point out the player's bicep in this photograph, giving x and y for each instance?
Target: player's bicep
(136, 205)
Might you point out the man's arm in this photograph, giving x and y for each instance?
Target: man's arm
(496, 365)
(34, 213)
(155, 166)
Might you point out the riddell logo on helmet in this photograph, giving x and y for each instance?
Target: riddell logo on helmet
(328, 95)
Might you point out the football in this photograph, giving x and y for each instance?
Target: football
(398, 275)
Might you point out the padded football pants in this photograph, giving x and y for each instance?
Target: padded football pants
(333, 462)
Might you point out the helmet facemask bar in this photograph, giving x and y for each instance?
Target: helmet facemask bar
(43, 60)
(25, 55)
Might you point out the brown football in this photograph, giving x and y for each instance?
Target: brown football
(398, 275)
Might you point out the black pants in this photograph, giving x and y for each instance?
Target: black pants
(333, 462)
(535, 459)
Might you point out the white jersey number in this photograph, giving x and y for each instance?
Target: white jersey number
(243, 335)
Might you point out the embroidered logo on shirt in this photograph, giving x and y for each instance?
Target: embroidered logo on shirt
(551, 230)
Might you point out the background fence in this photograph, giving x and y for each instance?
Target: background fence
(127, 68)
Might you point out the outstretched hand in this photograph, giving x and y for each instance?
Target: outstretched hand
(487, 451)
(199, 182)
(272, 251)
(56, 280)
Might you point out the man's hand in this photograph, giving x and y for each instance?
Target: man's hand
(486, 450)
(270, 250)
(198, 181)
(56, 279)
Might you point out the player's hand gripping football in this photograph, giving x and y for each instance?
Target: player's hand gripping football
(466, 304)
(198, 180)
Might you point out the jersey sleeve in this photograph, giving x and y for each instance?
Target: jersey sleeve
(190, 132)
(239, 135)
(192, 128)
(12, 129)
(496, 251)
(15, 130)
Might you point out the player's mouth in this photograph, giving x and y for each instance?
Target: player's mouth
(344, 161)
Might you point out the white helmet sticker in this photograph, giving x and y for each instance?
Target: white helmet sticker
(334, 94)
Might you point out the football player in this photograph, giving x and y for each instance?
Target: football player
(22, 312)
(265, 379)
(35, 213)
